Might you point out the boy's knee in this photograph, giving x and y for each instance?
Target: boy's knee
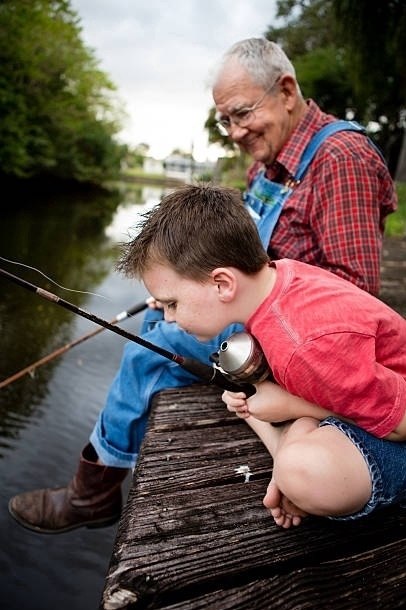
(302, 471)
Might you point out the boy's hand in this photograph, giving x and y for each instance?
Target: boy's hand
(236, 402)
(270, 403)
(273, 404)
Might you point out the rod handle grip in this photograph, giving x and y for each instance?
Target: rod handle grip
(137, 308)
(233, 386)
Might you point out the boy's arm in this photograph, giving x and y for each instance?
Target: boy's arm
(399, 433)
(272, 403)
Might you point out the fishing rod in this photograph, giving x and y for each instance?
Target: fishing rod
(207, 373)
(64, 348)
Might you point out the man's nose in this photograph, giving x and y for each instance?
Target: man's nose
(236, 132)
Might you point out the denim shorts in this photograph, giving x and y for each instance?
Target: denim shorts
(386, 461)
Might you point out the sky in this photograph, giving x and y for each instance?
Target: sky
(159, 54)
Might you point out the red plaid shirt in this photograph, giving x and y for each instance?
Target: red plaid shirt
(335, 217)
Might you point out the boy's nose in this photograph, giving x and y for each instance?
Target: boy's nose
(169, 317)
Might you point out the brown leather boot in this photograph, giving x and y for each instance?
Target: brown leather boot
(92, 498)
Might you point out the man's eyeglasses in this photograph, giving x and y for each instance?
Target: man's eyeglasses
(243, 116)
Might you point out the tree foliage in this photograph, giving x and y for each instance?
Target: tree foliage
(375, 38)
(309, 38)
(366, 47)
(58, 110)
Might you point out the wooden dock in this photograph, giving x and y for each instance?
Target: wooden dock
(195, 535)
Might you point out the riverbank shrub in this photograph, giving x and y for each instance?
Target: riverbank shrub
(59, 113)
(396, 223)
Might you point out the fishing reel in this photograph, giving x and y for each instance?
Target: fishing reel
(241, 358)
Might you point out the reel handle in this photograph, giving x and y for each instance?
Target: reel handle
(232, 386)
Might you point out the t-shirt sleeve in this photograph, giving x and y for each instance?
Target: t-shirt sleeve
(339, 372)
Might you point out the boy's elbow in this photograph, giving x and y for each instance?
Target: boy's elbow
(399, 433)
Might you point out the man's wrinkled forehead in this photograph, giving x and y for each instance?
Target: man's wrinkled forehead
(233, 90)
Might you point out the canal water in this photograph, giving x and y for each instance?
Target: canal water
(46, 417)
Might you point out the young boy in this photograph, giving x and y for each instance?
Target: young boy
(337, 354)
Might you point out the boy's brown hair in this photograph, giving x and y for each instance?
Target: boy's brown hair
(195, 229)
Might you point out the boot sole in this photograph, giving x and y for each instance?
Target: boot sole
(41, 530)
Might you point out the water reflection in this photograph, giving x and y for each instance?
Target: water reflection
(65, 240)
(128, 212)
(45, 419)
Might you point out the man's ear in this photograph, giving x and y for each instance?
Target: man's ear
(288, 88)
(225, 283)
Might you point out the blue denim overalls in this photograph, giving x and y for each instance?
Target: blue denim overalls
(120, 428)
(265, 199)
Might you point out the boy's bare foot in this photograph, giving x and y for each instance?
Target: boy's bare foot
(283, 511)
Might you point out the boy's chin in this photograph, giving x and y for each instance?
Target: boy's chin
(199, 337)
(204, 338)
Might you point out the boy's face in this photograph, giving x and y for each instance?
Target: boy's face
(194, 306)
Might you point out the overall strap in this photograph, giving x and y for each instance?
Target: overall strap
(265, 199)
(319, 138)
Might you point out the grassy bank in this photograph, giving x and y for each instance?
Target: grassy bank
(396, 223)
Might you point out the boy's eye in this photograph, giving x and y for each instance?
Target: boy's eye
(171, 305)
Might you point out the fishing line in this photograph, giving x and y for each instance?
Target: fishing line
(207, 373)
(94, 294)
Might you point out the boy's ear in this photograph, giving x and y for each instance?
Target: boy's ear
(225, 283)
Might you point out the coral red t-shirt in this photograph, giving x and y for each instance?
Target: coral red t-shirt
(335, 345)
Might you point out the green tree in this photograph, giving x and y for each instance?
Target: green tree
(375, 37)
(58, 110)
(307, 25)
(135, 156)
(319, 59)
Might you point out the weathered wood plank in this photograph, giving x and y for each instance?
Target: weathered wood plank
(192, 524)
(370, 580)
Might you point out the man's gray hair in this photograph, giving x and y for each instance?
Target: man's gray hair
(264, 61)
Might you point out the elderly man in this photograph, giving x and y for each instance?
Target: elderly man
(319, 192)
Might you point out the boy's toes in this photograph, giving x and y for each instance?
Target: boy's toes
(272, 498)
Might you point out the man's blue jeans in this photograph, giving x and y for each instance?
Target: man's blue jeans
(120, 428)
